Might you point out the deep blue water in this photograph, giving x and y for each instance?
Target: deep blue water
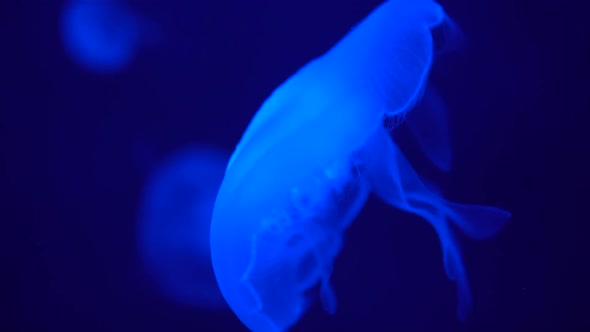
(74, 145)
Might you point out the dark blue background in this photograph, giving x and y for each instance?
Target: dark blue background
(73, 145)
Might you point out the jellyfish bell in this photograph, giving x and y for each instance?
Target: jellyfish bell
(173, 227)
(384, 60)
(104, 36)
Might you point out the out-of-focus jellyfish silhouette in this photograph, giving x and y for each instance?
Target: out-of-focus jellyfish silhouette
(173, 227)
(309, 159)
(103, 36)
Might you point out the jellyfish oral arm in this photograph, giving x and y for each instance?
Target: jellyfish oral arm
(429, 125)
(395, 181)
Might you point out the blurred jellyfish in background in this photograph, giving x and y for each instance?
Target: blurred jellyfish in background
(173, 226)
(312, 154)
(104, 36)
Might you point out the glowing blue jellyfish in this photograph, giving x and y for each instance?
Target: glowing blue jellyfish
(173, 229)
(309, 159)
(103, 36)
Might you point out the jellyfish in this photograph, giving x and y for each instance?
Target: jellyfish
(310, 157)
(429, 125)
(103, 36)
(173, 227)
